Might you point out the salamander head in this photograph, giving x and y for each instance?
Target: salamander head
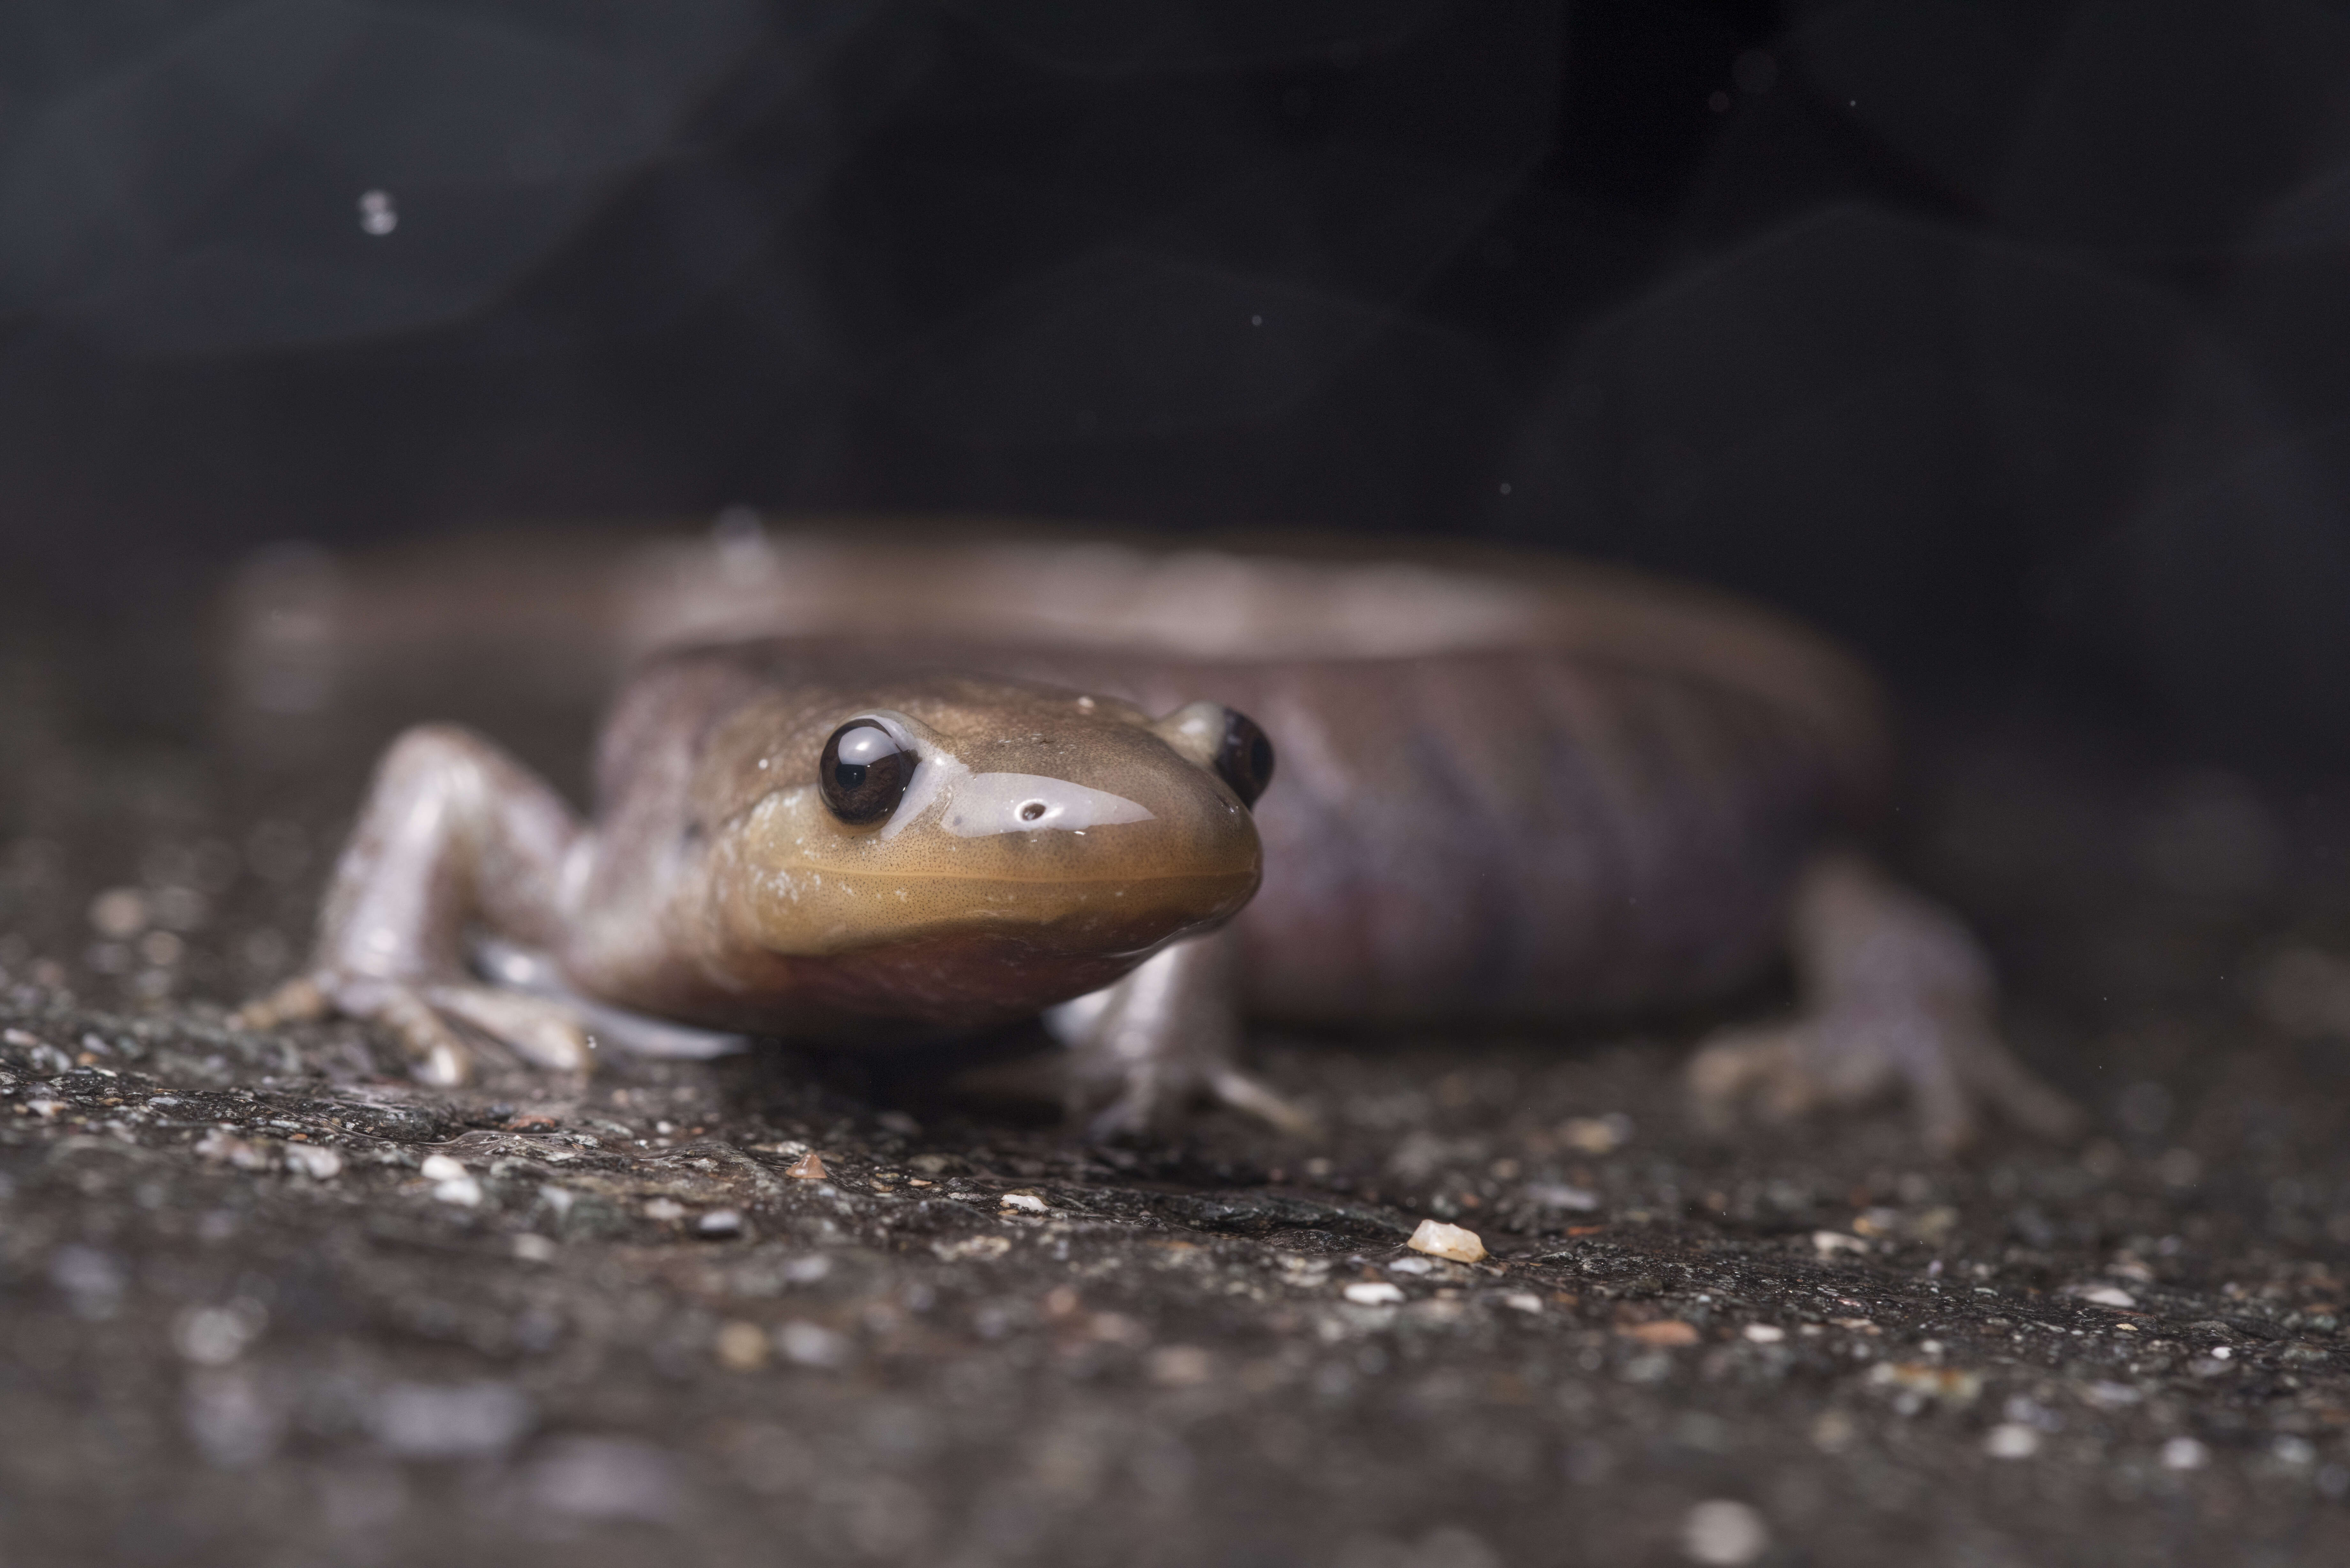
(997, 843)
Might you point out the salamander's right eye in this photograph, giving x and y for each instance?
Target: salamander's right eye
(864, 771)
(1245, 758)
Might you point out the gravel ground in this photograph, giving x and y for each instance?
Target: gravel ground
(269, 1303)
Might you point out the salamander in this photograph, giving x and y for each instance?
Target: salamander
(865, 786)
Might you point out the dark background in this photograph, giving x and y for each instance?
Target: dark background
(2005, 339)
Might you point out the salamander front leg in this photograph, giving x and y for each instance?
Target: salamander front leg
(455, 835)
(1896, 997)
(1140, 1052)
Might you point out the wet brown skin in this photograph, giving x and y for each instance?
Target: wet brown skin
(1509, 787)
(1509, 836)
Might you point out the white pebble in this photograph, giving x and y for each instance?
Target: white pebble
(721, 1222)
(120, 913)
(2011, 1440)
(1559, 1195)
(216, 1336)
(318, 1164)
(811, 1344)
(1764, 1333)
(452, 1183)
(1370, 1292)
(1523, 1301)
(533, 1248)
(1439, 1239)
(447, 1421)
(1025, 1202)
(2185, 1454)
(2105, 1296)
(464, 1192)
(1724, 1532)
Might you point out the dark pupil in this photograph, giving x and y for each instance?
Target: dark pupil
(864, 774)
(1245, 760)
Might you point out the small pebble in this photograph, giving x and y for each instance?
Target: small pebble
(465, 1192)
(1025, 1202)
(1764, 1333)
(533, 1249)
(1523, 1301)
(666, 1210)
(222, 1145)
(119, 913)
(452, 1182)
(1437, 1238)
(741, 1346)
(811, 1344)
(2104, 1295)
(1724, 1532)
(720, 1222)
(2011, 1440)
(1828, 1243)
(1559, 1195)
(1374, 1293)
(2185, 1454)
(447, 1421)
(1181, 1365)
(318, 1164)
(809, 1166)
(216, 1336)
(1596, 1135)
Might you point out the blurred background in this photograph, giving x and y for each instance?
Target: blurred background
(2012, 341)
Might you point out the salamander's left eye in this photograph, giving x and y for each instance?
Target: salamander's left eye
(1245, 759)
(864, 771)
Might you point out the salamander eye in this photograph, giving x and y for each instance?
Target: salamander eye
(864, 771)
(1245, 759)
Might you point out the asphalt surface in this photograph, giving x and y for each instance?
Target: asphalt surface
(268, 1302)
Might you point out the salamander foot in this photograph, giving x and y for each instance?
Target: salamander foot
(424, 1018)
(1899, 999)
(1142, 1052)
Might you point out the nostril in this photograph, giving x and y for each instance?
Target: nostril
(1032, 811)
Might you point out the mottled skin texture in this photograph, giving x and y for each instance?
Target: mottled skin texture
(1531, 794)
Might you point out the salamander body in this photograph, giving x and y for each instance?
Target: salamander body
(1509, 788)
